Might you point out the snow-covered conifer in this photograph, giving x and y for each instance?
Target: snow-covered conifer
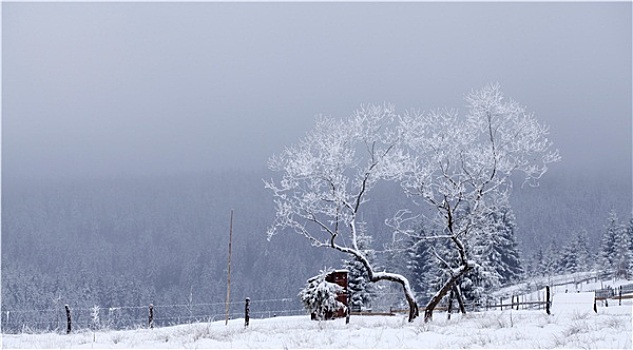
(319, 295)
(361, 291)
(575, 255)
(623, 255)
(607, 247)
(551, 259)
(536, 266)
(422, 265)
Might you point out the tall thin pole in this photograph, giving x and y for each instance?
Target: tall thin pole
(228, 282)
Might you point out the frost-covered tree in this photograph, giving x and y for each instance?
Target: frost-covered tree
(327, 177)
(466, 162)
(443, 160)
(319, 295)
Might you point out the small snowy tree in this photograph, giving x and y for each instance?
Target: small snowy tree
(319, 295)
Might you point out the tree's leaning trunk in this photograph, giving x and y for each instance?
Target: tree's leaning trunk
(460, 298)
(428, 310)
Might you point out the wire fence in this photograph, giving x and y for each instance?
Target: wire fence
(131, 317)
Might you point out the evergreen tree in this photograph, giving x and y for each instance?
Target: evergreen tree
(575, 254)
(623, 258)
(504, 254)
(496, 252)
(319, 296)
(608, 245)
(361, 291)
(422, 265)
(536, 266)
(629, 233)
(551, 259)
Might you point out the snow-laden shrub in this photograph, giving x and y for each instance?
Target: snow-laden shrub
(319, 296)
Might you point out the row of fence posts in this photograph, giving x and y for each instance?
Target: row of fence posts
(515, 302)
(69, 323)
(548, 302)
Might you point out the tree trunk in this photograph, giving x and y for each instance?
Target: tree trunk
(428, 310)
(460, 298)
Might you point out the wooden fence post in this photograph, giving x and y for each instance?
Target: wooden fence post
(595, 305)
(247, 312)
(501, 303)
(620, 296)
(547, 300)
(68, 320)
(518, 303)
(450, 304)
(151, 316)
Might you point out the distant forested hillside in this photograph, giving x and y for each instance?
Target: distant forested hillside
(164, 240)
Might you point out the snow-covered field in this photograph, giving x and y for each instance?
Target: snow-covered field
(609, 328)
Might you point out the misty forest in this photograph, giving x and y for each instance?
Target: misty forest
(120, 244)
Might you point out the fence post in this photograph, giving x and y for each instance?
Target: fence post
(247, 312)
(620, 296)
(595, 305)
(151, 316)
(501, 303)
(517, 304)
(450, 304)
(68, 320)
(547, 300)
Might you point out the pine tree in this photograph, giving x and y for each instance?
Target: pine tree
(496, 253)
(536, 266)
(623, 258)
(575, 255)
(361, 292)
(551, 259)
(422, 265)
(607, 247)
(506, 258)
(629, 233)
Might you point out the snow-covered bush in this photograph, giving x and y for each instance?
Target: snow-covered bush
(319, 296)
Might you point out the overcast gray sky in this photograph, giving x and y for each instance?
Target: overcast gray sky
(109, 89)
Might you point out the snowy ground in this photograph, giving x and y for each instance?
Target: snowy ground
(609, 328)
